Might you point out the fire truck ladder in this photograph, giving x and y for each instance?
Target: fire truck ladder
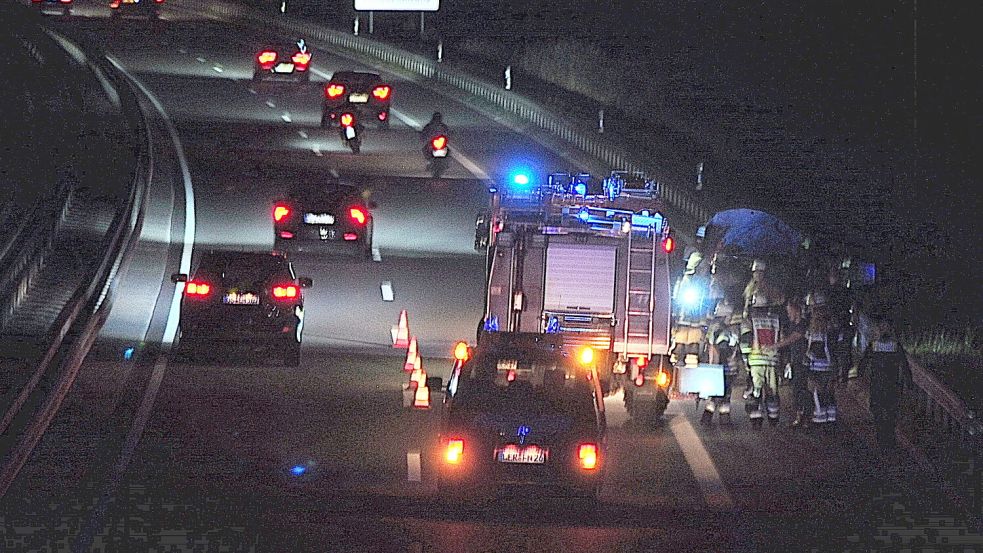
(639, 299)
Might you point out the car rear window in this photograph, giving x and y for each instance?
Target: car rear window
(244, 270)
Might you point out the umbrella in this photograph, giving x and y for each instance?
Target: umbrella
(752, 233)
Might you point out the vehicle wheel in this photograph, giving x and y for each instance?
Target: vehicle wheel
(291, 357)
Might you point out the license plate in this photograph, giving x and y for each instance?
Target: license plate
(440, 153)
(326, 233)
(358, 98)
(235, 298)
(131, 1)
(527, 455)
(319, 218)
(284, 68)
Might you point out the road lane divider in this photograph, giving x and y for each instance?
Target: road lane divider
(376, 255)
(715, 493)
(286, 117)
(387, 291)
(413, 467)
(270, 104)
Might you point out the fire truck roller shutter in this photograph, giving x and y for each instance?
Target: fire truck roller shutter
(580, 277)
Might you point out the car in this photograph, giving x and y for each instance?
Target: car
(522, 415)
(64, 6)
(323, 217)
(144, 8)
(284, 61)
(365, 93)
(247, 300)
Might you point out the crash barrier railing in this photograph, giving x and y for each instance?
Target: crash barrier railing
(517, 105)
(29, 239)
(79, 322)
(946, 431)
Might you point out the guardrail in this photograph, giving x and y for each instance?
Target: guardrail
(948, 434)
(80, 320)
(517, 105)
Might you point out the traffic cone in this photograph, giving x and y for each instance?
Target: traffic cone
(402, 335)
(418, 375)
(411, 355)
(422, 398)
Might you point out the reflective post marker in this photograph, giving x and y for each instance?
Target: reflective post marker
(356, 26)
(699, 176)
(440, 51)
(421, 24)
(371, 22)
(508, 77)
(600, 121)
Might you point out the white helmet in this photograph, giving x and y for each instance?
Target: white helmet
(815, 299)
(758, 265)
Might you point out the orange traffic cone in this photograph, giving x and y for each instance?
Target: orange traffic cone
(422, 398)
(402, 338)
(411, 355)
(418, 375)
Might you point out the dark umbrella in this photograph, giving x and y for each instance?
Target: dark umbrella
(752, 233)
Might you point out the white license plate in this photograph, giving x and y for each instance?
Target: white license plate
(235, 298)
(358, 98)
(284, 68)
(319, 218)
(528, 455)
(440, 153)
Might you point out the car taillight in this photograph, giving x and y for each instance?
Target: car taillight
(587, 453)
(455, 451)
(383, 115)
(640, 379)
(301, 59)
(285, 291)
(114, 5)
(358, 215)
(349, 236)
(439, 142)
(334, 90)
(266, 58)
(381, 92)
(159, 1)
(65, 1)
(347, 120)
(280, 212)
(197, 288)
(286, 234)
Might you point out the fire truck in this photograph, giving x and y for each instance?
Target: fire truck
(587, 258)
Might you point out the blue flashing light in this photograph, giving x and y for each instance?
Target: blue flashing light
(553, 325)
(491, 324)
(584, 214)
(870, 273)
(298, 470)
(492, 189)
(580, 189)
(520, 179)
(691, 297)
(128, 353)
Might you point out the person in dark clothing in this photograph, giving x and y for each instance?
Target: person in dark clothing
(793, 343)
(840, 302)
(886, 362)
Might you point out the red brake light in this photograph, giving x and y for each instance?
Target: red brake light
(159, 1)
(65, 1)
(113, 5)
(347, 119)
(641, 362)
(286, 291)
(334, 90)
(383, 115)
(640, 379)
(439, 142)
(301, 59)
(381, 92)
(587, 453)
(280, 212)
(197, 288)
(357, 215)
(266, 58)
(668, 244)
(286, 234)
(349, 236)
(455, 451)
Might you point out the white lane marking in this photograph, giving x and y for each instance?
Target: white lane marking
(251, 90)
(376, 255)
(413, 471)
(182, 50)
(286, 116)
(464, 160)
(303, 134)
(317, 151)
(714, 491)
(270, 104)
(200, 60)
(387, 291)
(170, 329)
(217, 69)
(334, 172)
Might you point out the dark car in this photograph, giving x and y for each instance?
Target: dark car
(243, 300)
(64, 6)
(323, 217)
(522, 415)
(364, 93)
(287, 61)
(144, 8)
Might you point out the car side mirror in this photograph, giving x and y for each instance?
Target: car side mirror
(435, 383)
(179, 277)
(305, 282)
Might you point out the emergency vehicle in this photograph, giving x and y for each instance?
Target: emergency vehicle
(587, 258)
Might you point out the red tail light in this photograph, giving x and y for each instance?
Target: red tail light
(640, 379)
(668, 244)
(439, 142)
(349, 236)
(197, 288)
(334, 90)
(358, 215)
(285, 291)
(641, 362)
(587, 454)
(286, 234)
(347, 120)
(280, 212)
(300, 59)
(383, 115)
(159, 1)
(266, 58)
(114, 5)
(455, 451)
(65, 1)
(36, 1)
(381, 92)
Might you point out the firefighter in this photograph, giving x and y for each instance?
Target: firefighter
(794, 343)
(762, 302)
(820, 359)
(724, 339)
(887, 364)
(840, 302)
